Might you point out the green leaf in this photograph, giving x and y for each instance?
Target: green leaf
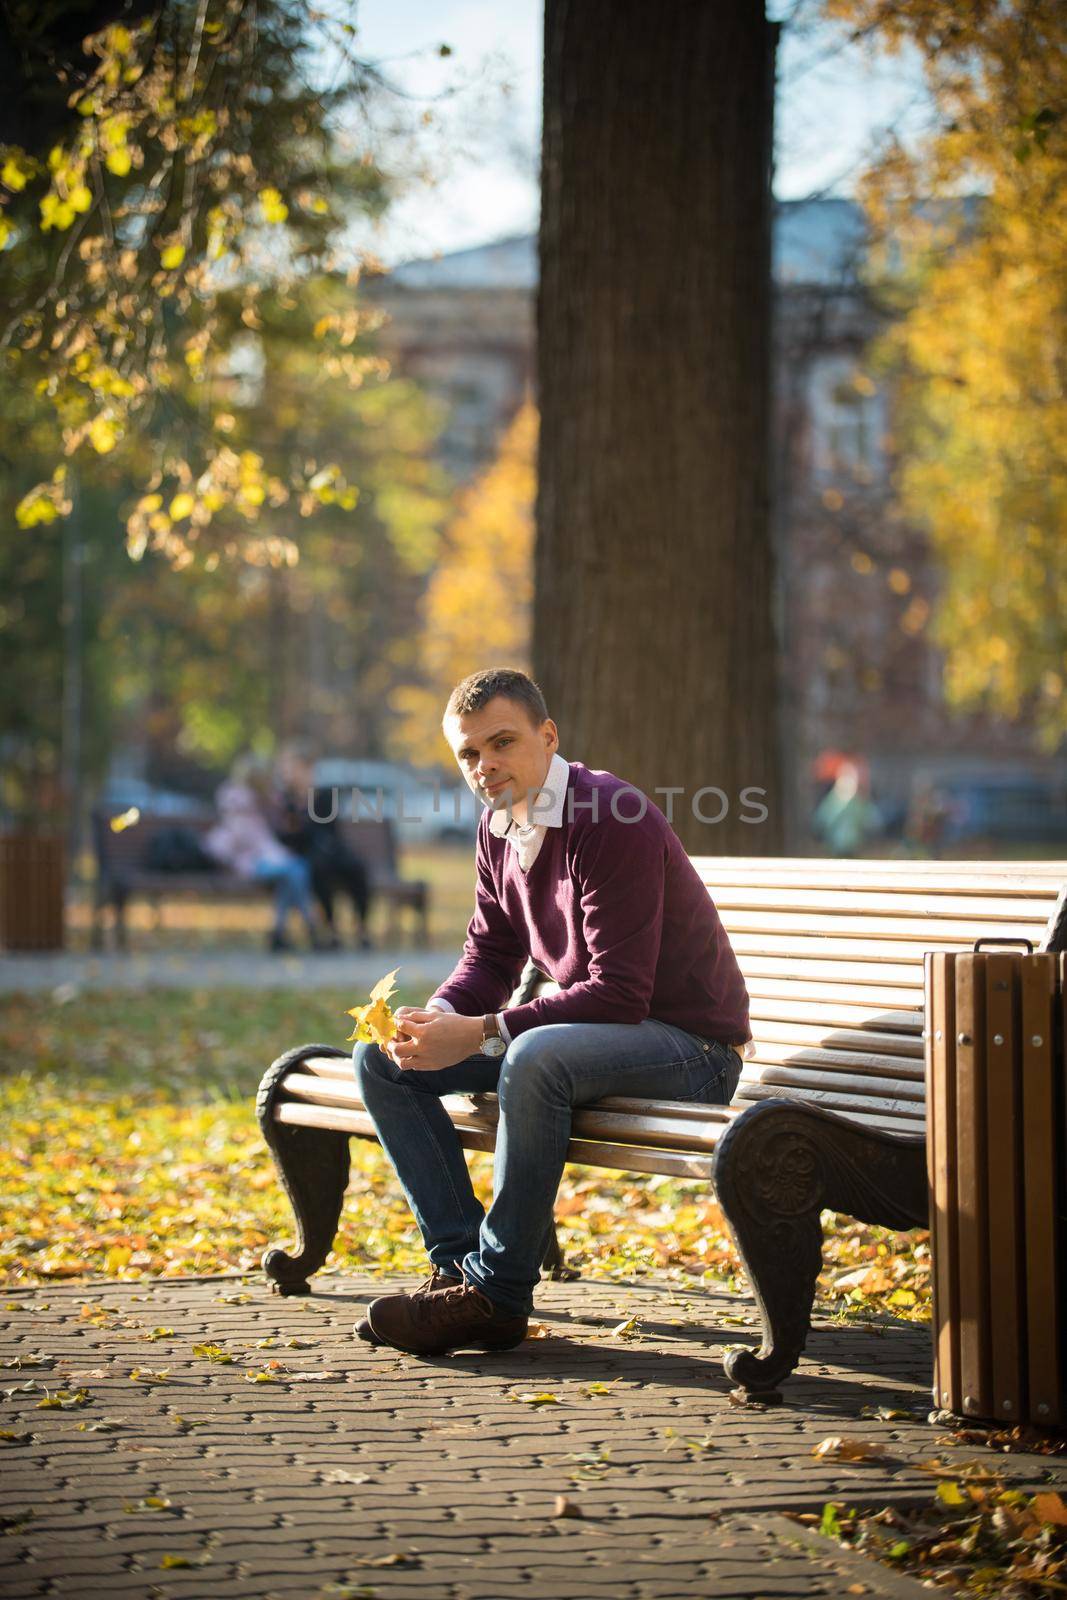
(830, 1524)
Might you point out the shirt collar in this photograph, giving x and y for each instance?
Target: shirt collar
(548, 805)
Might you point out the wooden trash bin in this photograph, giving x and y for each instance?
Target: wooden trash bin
(31, 891)
(996, 1139)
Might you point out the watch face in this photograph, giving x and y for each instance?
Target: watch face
(494, 1046)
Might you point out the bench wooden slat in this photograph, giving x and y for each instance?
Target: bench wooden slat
(828, 1015)
(935, 877)
(906, 903)
(589, 1152)
(910, 1111)
(776, 983)
(896, 955)
(879, 1069)
(650, 1125)
(802, 1035)
(866, 982)
(776, 925)
(836, 1083)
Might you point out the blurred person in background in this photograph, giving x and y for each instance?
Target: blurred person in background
(296, 812)
(846, 819)
(244, 842)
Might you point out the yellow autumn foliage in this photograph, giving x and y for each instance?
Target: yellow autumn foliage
(978, 350)
(477, 608)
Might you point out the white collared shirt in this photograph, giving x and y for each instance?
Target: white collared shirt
(546, 808)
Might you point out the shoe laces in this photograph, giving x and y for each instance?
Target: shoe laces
(435, 1283)
(452, 1305)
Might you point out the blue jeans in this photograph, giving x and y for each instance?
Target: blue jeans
(292, 888)
(544, 1074)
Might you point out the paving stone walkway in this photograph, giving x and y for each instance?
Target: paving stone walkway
(314, 1465)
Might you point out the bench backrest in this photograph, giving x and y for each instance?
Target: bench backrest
(125, 851)
(832, 952)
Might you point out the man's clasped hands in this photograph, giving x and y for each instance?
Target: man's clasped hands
(428, 1040)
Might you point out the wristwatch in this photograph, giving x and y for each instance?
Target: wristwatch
(492, 1044)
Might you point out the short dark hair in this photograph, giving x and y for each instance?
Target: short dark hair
(481, 687)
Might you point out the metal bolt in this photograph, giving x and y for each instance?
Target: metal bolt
(1037, 1041)
(970, 1403)
(944, 1397)
(1042, 1409)
(998, 1038)
(937, 1033)
(963, 1038)
(1007, 1405)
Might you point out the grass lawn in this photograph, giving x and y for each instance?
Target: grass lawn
(131, 1148)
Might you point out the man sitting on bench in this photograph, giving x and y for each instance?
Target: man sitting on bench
(577, 870)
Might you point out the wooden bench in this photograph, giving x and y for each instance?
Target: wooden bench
(829, 1112)
(121, 872)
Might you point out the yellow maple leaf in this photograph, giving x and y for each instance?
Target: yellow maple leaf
(375, 1023)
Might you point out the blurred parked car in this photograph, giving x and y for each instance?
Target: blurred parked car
(423, 807)
(1007, 809)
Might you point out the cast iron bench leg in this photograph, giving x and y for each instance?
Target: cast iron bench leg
(776, 1169)
(313, 1166)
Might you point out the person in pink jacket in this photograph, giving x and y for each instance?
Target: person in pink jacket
(243, 841)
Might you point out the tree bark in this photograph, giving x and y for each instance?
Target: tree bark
(653, 626)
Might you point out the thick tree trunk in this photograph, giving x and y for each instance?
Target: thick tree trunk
(653, 633)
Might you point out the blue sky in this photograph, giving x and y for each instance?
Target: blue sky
(479, 148)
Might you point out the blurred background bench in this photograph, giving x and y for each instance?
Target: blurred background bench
(161, 857)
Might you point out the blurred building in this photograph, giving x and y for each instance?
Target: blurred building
(859, 674)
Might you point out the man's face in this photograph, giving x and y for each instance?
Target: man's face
(503, 755)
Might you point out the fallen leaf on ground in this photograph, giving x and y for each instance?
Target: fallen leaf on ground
(562, 1507)
(1052, 1508)
(837, 1448)
(624, 1328)
(213, 1352)
(532, 1399)
(538, 1330)
(64, 1400)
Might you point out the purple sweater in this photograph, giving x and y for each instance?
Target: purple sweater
(613, 911)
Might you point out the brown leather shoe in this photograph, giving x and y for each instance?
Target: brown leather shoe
(437, 1281)
(459, 1318)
